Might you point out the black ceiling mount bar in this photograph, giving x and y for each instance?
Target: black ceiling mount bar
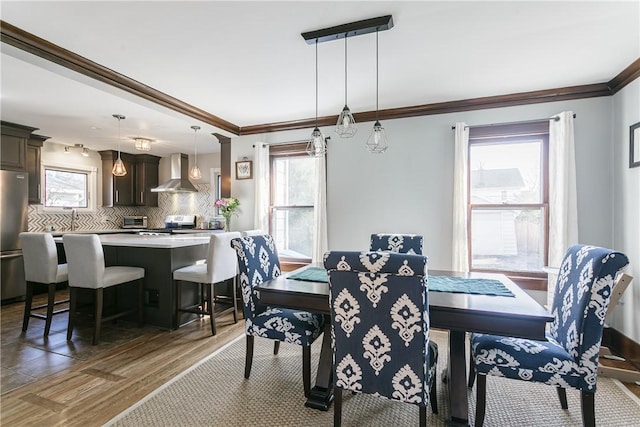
(351, 29)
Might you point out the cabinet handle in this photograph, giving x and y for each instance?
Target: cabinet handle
(117, 196)
(38, 190)
(142, 197)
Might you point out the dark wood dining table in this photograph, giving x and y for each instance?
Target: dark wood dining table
(517, 316)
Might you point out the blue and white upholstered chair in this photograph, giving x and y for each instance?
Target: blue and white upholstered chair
(380, 327)
(569, 357)
(257, 263)
(401, 243)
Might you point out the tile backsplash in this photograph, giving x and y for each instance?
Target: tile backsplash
(200, 203)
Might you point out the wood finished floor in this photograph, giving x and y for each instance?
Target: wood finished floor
(56, 382)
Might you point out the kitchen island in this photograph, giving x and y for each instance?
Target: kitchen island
(160, 256)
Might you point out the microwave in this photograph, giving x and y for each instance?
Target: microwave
(134, 221)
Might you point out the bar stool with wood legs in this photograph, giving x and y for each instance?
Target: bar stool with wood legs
(41, 268)
(87, 270)
(221, 265)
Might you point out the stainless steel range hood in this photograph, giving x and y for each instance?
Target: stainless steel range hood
(179, 182)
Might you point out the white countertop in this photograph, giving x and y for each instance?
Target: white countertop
(164, 241)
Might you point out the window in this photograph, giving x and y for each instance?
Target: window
(292, 201)
(508, 199)
(68, 188)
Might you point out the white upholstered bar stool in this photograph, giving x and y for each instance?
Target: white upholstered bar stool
(221, 265)
(41, 268)
(87, 270)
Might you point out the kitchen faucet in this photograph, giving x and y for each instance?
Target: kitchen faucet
(74, 217)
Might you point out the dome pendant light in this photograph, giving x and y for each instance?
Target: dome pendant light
(377, 142)
(316, 146)
(346, 126)
(195, 173)
(118, 166)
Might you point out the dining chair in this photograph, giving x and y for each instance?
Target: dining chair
(255, 232)
(401, 243)
(41, 268)
(221, 265)
(87, 270)
(258, 262)
(379, 305)
(569, 357)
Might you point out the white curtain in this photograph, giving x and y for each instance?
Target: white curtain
(563, 204)
(460, 246)
(261, 182)
(320, 240)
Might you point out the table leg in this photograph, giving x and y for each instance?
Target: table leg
(457, 381)
(321, 395)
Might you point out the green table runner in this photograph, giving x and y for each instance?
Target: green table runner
(436, 283)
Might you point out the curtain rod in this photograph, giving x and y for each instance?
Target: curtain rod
(554, 118)
(268, 144)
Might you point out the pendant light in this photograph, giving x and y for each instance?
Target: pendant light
(194, 173)
(346, 126)
(316, 146)
(118, 166)
(377, 142)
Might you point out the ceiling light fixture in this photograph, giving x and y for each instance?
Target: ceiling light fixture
(316, 146)
(118, 166)
(142, 144)
(377, 142)
(195, 173)
(346, 126)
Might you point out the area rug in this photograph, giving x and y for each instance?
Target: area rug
(215, 393)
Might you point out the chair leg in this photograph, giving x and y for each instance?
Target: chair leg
(27, 306)
(472, 372)
(176, 324)
(276, 347)
(73, 302)
(587, 402)
(235, 300)
(51, 299)
(562, 395)
(433, 398)
(423, 416)
(140, 303)
(337, 407)
(248, 359)
(306, 369)
(99, 298)
(481, 399)
(210, 309)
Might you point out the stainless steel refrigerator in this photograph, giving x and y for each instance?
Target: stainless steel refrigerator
(13, 219)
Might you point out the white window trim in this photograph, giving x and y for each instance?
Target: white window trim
(92, 187)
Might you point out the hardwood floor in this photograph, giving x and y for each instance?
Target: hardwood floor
(56, 382)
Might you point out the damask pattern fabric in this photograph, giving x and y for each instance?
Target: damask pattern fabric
(570, 357)
(380, 324)
(400, 243)
(257, 263)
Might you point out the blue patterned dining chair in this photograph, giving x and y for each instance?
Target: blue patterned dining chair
(257, 263)
(569, 357)
(380, 328)
(401, 243)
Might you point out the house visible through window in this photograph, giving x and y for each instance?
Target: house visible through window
(508, 199)
(292, 201)
(66, 188)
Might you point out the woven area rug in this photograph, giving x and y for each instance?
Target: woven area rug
(215, 393)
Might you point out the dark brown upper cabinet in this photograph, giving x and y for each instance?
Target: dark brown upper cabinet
(13, 146)
(34, 159)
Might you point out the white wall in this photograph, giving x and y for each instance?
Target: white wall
(626, 224)
(409, 188)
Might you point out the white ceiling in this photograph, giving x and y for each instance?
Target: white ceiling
(246, 62)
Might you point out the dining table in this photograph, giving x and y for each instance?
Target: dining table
(513, 313)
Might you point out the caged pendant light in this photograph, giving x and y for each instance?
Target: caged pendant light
(316, 146)
(377, 142)
(195, 173)
(346, 126)
(118, 166)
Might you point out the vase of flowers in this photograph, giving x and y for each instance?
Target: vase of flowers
(227, 206)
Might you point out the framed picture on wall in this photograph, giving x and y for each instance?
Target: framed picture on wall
(634, 145)
(244, 169)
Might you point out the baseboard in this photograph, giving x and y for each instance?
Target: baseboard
(622, 345)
